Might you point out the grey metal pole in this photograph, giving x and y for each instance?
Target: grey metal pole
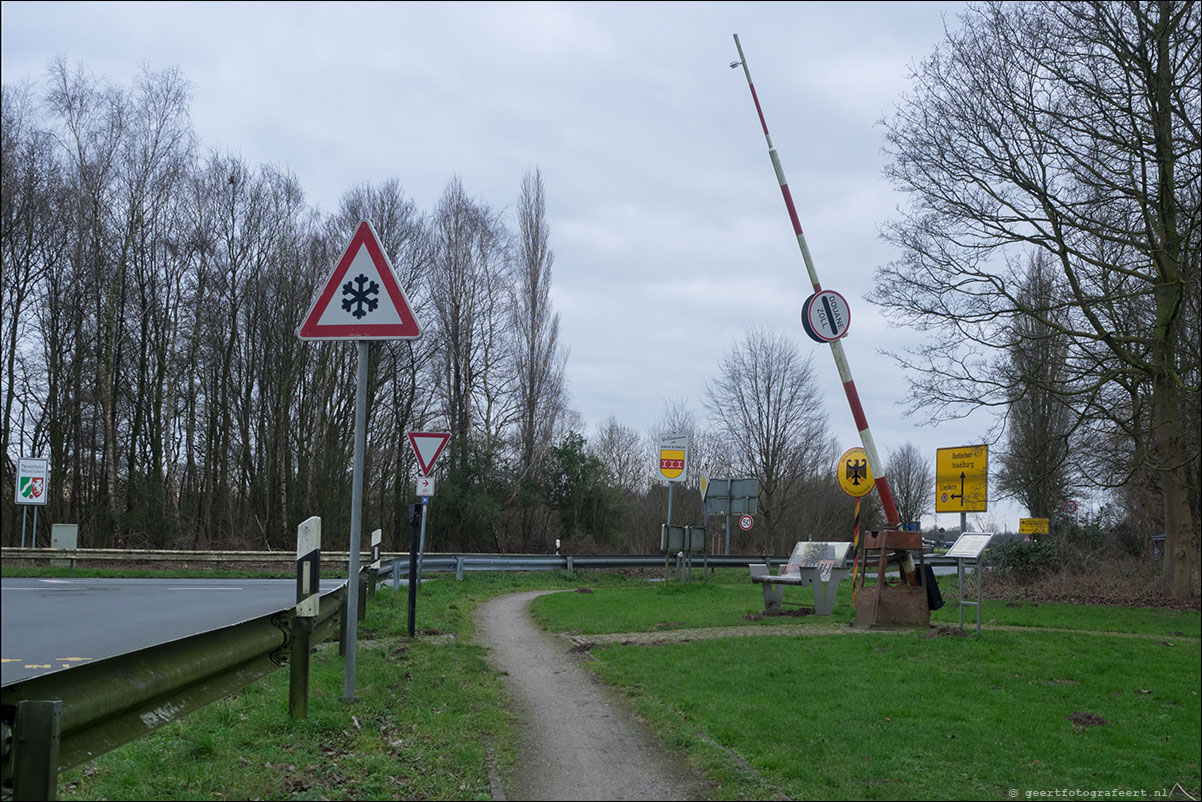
(960, 580)
(670, 486)
(730, 484)
(421, 546)
(24, 512)
(33, 536)
(352, 597)
(976, 569)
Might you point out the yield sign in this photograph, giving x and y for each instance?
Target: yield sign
(361, 300)
(427, 446)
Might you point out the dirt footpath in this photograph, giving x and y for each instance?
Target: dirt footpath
(578, 738)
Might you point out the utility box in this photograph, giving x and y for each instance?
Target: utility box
(64, 536)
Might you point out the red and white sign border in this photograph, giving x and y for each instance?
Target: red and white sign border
(407, 329)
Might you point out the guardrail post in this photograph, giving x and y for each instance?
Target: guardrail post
(35, 749)
(459, 568)
(570, 571)
(298, 666)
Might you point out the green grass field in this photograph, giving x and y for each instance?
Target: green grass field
(1036, 712)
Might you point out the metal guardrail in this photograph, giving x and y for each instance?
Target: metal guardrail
(431, 563)
(109, 702)
(166, 555)
(459, 563)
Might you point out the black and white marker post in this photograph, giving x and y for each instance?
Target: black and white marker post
(308, 600)
(360, 301)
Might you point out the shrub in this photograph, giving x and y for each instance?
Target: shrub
(1022, 560)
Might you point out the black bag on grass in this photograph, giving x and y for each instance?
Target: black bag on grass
(934, 597)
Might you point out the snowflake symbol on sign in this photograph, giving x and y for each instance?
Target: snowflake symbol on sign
(359, 296)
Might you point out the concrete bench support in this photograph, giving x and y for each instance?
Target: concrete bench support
(819, 566)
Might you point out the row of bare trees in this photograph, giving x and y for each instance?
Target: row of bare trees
(150, 295)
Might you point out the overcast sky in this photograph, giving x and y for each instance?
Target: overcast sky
(669, 233)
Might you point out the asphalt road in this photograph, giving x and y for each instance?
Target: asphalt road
(52, 624)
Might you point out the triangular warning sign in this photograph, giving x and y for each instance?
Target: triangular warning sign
(427, 446)
(361, 300)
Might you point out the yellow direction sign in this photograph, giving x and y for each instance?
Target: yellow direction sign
(1032, 526)
(853, 473)
(961, 479)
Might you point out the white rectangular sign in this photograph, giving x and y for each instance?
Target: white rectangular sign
(33, 480)
(425, 486)
(970, 545)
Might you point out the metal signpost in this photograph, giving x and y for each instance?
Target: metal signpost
(370, 306)
(731, 497)
(969, 547)
(32, 489)
(428, 447)
(673, 462)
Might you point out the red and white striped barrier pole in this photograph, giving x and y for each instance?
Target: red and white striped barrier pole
(849, 386)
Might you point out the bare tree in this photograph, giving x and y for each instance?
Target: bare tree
(912, 482)
(467, 278)
(621, 451)
(538, 358)
(765, 401)
(1035, 466)
(1073, 128)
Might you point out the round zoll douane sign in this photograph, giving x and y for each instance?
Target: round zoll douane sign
(826, 316)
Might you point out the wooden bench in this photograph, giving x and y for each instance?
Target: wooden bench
(820, 566)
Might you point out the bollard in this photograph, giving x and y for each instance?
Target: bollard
(308, 605)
